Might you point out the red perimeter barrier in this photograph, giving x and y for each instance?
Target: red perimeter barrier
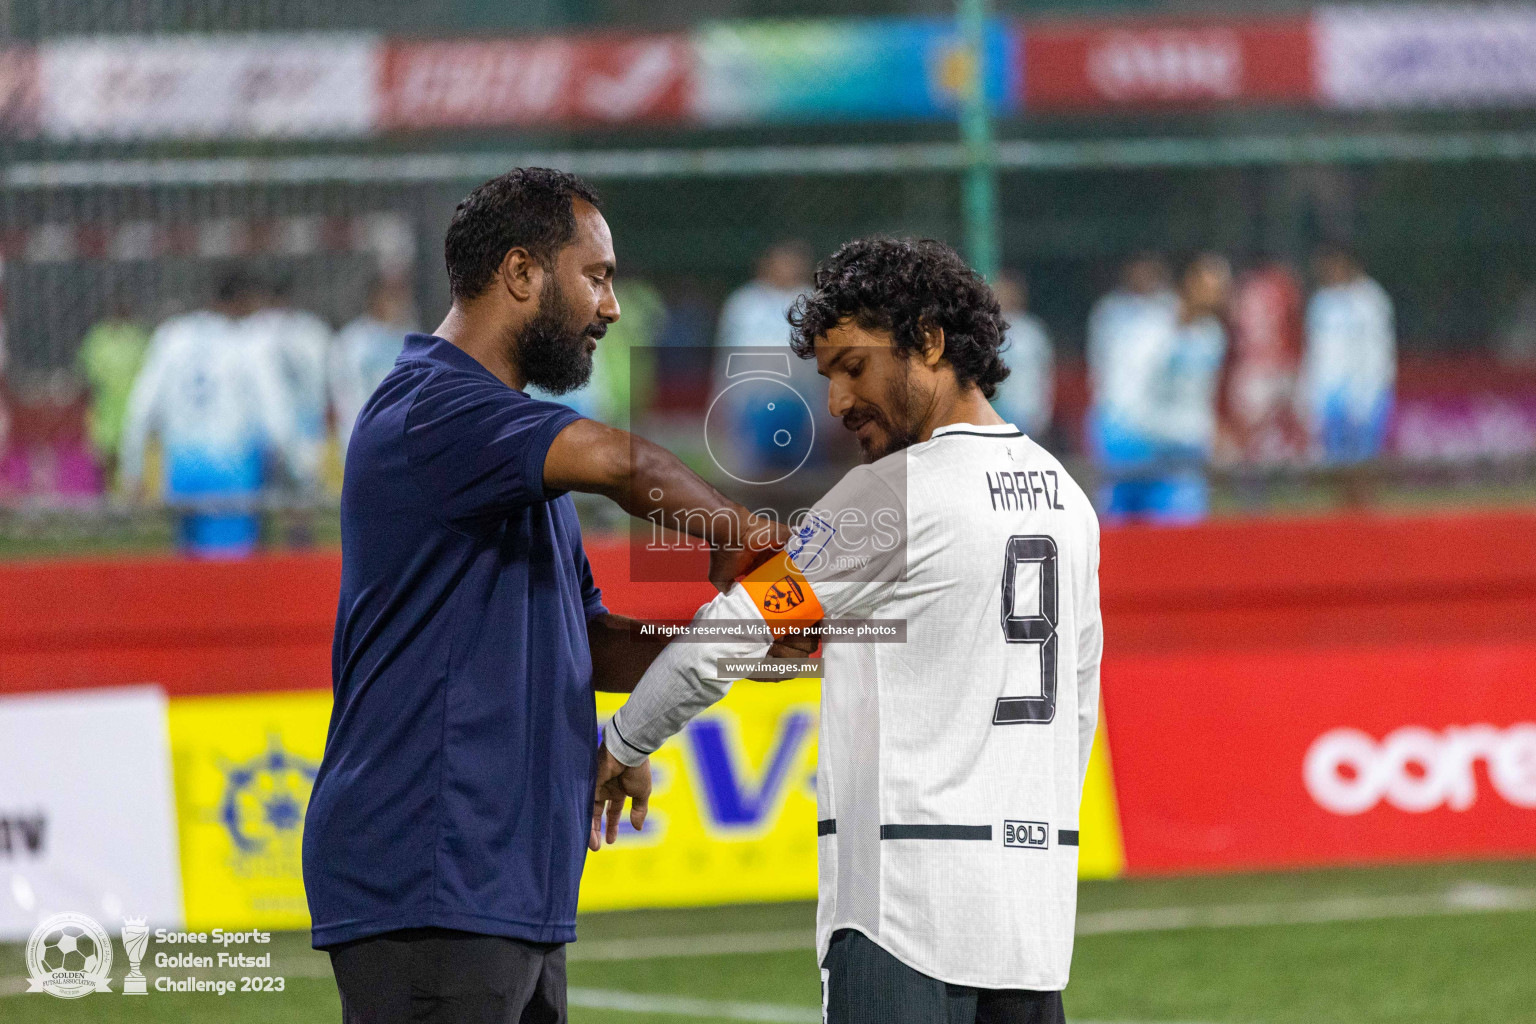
(1297, 693)
(1277, 692)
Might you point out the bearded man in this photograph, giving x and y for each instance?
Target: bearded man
(447, 828)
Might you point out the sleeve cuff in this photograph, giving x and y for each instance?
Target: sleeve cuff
(538, 450)
(623, 751)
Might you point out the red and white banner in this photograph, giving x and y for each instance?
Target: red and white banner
(1274, 758)
(1068, 66)
(480, 83)
(1419, 56)
(272, 86)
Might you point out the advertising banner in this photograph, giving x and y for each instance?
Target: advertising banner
(1299, 757)
(1388, 55)
(187, 86)
(1107, 65)
(548, 80)
(244, 768)
(1464, 428)
(87, 823)
(733, 812)
(889, 68)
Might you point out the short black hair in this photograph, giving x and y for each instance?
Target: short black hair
(528, 208)
(234, 283)
(903, 285)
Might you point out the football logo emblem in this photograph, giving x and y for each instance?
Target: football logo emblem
(783, 596)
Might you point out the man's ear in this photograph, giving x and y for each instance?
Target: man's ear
(520, 274)
(933, 344)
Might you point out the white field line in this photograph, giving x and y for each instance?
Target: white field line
(1467, 898)
(693, 945)
(686, 1006)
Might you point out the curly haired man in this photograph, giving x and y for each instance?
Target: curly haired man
(951, 763)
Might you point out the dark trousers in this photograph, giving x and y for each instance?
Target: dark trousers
(867, 985)
(432, 975)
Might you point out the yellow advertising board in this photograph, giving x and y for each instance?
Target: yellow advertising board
(1102, 853)
(733, 811)
(733, 808)
(244, 767)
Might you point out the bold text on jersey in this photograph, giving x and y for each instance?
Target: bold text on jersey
(1014, 489)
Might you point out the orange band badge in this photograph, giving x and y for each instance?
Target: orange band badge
(782, 595)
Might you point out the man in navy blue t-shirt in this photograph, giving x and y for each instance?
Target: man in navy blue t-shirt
(450, 818)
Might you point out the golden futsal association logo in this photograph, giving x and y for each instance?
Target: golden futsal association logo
(69, 955)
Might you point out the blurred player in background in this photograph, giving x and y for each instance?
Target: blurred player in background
(297, 342)
(1259, 383)
(1119, 324)
(950, 766)
(111, 355)
(1350, 367)
(1026, 397)
(210, 394)
(753, 317)
(754, 313)
(1144, 292)
(1154, 424)
(366, 349)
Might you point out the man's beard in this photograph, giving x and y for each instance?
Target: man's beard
(550, 352)
(901, 399)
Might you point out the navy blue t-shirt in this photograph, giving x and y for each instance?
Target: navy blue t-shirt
(456, 788)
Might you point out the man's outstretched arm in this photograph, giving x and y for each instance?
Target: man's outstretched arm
(643, 478)
(618, 667)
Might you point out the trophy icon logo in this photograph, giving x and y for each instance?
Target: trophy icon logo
(135, 941)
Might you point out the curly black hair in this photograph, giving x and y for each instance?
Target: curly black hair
(528, 208)
(903, 285)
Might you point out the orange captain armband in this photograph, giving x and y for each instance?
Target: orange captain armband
(782, 595)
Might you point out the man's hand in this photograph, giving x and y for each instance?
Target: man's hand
(616, 782)
(801, 643)
(762, 540)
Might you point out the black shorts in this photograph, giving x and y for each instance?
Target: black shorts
(435, 974)
(863, 984)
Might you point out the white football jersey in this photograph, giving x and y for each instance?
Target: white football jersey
(209, 394)
(297, 343)
(1351, 355)
(951, 765)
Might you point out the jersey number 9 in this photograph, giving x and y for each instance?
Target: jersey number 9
(1038, 627)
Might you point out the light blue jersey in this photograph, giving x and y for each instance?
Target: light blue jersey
(754, 315)
(1117, 319)
(217, 407)
(1349, 370)
(1155, 407)
(296, 344)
